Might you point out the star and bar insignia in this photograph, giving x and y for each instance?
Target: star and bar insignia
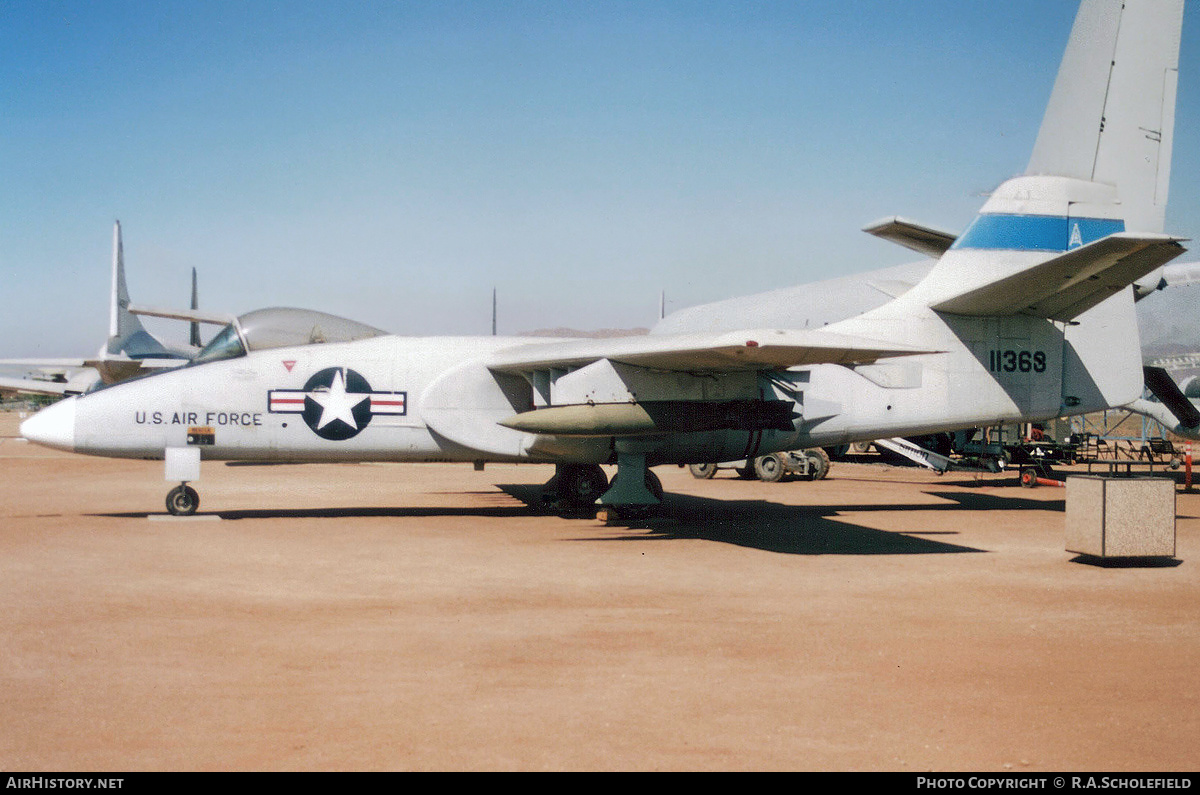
(336, 403)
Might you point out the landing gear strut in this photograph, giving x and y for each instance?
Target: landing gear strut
(635, 491)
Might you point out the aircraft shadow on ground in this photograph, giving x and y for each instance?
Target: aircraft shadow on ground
(392, 512)
(788, 529)
(758, 524)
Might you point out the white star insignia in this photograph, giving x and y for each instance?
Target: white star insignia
(337, 403)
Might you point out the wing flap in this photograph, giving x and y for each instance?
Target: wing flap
(759, 349)
(1066, 286)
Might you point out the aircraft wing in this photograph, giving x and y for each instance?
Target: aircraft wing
(31, 386)
(924, 239)
(1065, 286)
(757, 349)
(44, 364)
(114, 368)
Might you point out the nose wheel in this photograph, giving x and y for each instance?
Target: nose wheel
(182, 500)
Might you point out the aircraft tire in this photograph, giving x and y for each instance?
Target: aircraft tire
(838, 452)
(582, 486)
(818, 463)
(634, 513)
(770, 468)
(182, 501)
(703, 471)
(654, 484)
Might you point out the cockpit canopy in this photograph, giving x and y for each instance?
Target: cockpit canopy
(281, 327)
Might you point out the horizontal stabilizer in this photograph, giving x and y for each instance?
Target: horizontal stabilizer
(757, 349)
(1065, 286)
(923, 239)
(190, 315)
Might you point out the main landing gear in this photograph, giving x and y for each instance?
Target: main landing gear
(577, 488)
(636, 492)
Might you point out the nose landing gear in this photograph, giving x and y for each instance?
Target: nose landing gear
(182, 464)
(182, 500)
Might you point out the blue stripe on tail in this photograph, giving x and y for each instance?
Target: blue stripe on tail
(1035, 232)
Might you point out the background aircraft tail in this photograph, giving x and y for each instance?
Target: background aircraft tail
(122, 324)
(127, 337)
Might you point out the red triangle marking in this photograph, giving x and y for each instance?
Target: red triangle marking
(290, 365)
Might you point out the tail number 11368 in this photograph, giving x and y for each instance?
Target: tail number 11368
(1010, 361)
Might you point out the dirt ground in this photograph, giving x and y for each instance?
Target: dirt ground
(397, 617)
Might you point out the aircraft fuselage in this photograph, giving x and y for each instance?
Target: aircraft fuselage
(423, 399)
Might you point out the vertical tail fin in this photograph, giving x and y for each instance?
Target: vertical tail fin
(1111, 115)
(122, 324)
(1100, 167)
(1051, 256)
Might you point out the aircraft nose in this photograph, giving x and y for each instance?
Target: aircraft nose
(53, 426)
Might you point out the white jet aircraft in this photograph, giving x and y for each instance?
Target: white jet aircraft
(129, 351)
(1027, 316)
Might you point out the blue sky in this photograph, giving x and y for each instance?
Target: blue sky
(394, 161)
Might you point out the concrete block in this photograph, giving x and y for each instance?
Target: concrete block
(1120, 517)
